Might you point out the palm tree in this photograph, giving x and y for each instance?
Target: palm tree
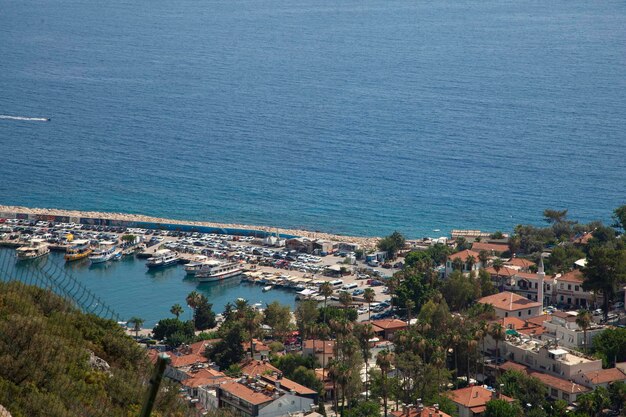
(193, 299)
(345, 299)
(483, 257)
(176, 310)
(496, 331)
(410, 305)
(383, 360)
(497, 265)
(334, 374)
(252, 321)
(583, 320)
(470, 261)
(137, 322)
(369, 295)
(481, 333)
(365, 334)
(326, 290)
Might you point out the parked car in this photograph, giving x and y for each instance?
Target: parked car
(358, 291)
(618, 305)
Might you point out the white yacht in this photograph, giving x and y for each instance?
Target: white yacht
(162, 258)
(36, 248)
(105, 252)
(193, 267)
(218, 271)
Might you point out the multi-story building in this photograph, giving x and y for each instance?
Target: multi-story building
(463, 257)
(257, 397)
(472, 401)
(322, 350)
(562, 328)
(569, 290)
(508, 304)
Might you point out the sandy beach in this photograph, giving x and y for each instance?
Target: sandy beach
(368, 242)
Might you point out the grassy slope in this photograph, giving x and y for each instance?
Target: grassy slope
(44, 368)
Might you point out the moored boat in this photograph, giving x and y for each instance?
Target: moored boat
(267, 288)
(193, 267)
(162, 258)
(36, 248)
(80, 249)
(105, 252)
(218, 271)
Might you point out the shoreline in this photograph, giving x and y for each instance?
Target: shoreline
(363, 241)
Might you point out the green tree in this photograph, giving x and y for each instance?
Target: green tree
(496, 331)
(278, 317)
(392, 244)
(176, 310)
(617, 395)
(306, 317)
(554, 216)
(502, 408)
(364, 333)
(369, 296)
(421, 260)
(176, 332)
(193, 298)
(364, 409)
(136, 322)
(584, 320)
(203, 315)
(384, 360)
(605, 269)
(307, 377)
(497, 265)
(130, 239)
(526, 389)
(345, 299)
(229, 350)
(610, 345)
(486, 283)
(252, 320)
(619, 216)
(460, 291)
(594, 402)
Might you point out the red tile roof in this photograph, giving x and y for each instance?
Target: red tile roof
(512, 366)
(463, 255)
(255, 367)
(508, 301)
(205, 376)
(290, 385)
(248, 395)
(472, 397)
(604, 376)
(425, 412)
(504, 272)
(574, 276)
(258, 346)
(520, 263)
(389, 324)
(560, 383)
(489, 247)
(186, 360)
(327, 345)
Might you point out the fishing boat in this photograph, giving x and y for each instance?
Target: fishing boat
(162, 258)
(218, 271)
(80, 249)
(36, 248)
(105, 252)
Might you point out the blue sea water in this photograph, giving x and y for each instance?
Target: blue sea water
(129, 289)
(349, 116)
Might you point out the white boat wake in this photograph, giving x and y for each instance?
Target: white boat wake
(28, 119)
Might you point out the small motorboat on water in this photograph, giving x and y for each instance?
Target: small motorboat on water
(267, 288)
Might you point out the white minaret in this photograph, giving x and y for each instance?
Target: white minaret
(541, 275)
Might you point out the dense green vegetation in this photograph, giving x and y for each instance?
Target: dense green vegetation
(45, 369)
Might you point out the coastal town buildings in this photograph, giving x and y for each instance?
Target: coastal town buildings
(472, 401)
(508, 304)
(467, 259)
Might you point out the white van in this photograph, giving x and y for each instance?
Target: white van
(336, 283)
(350, 286)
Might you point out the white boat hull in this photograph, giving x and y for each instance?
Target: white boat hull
(219, 277)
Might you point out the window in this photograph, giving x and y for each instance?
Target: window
(554, 392)
(576, 288)
(569, 287)
(529, 312)
(536, 285)
(548, 287)
(561, 286)
(566, 396)
(519, 314)
(506, 314)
